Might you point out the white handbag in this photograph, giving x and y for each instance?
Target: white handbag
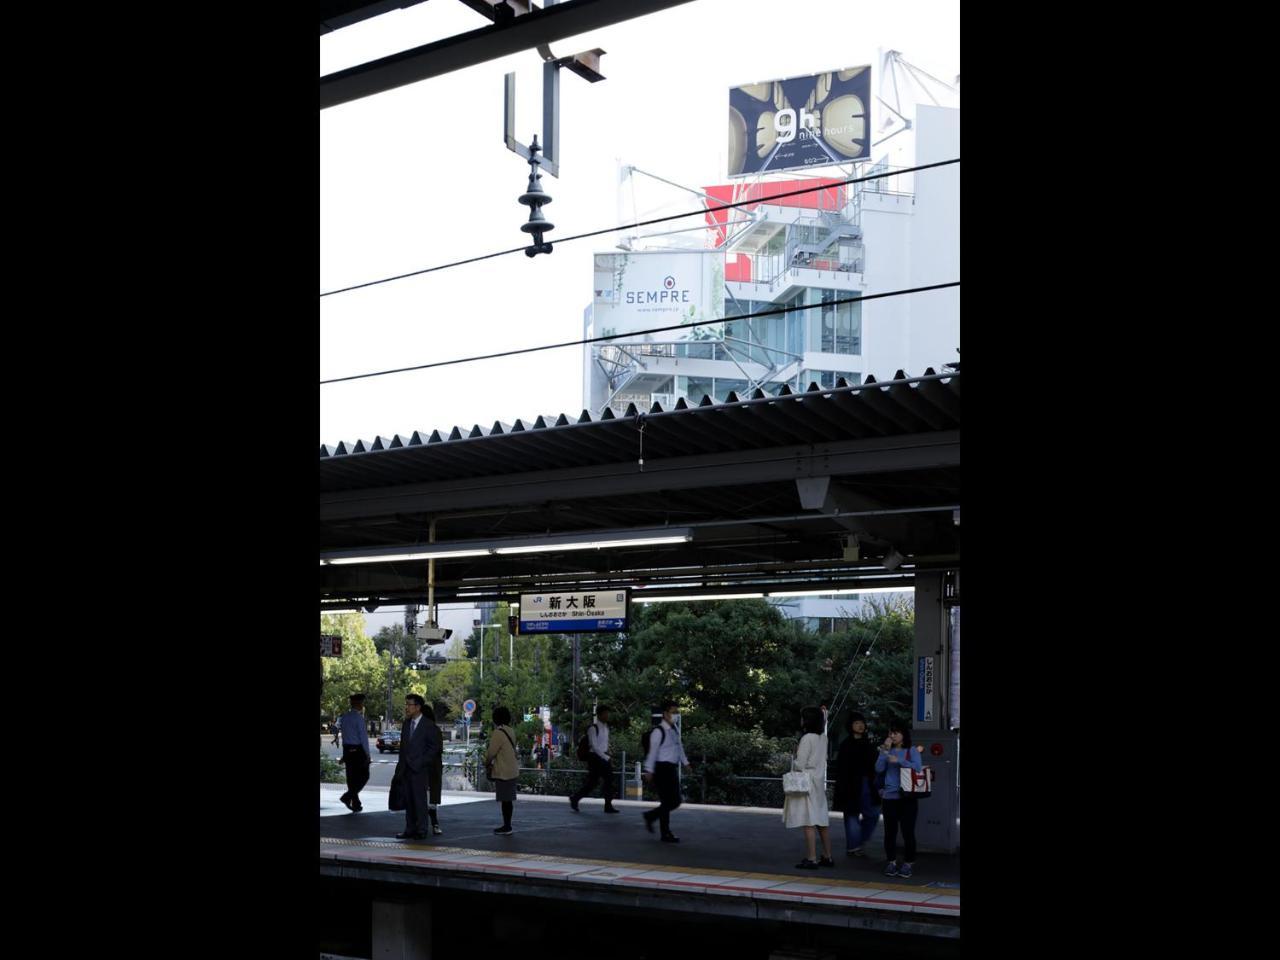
(795, 782)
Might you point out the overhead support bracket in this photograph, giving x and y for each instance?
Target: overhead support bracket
(507, 35)
(585, 65)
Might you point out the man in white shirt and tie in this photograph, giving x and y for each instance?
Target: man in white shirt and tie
(598, 767)
(666, 754)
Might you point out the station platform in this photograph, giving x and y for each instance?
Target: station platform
(731, 862)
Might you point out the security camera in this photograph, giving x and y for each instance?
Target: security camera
(429, 633)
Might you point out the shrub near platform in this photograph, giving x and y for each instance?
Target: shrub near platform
(331, 771)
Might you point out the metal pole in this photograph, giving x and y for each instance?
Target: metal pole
(431, 578)
(391, 656)
(573, 717)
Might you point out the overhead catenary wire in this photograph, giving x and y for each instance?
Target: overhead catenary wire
(636, 333)
(645, 223)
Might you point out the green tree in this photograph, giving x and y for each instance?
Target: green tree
(393, 638)
(873, 661)
(732, 664)
(361, 669)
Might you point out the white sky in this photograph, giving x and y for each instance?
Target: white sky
(419, 176)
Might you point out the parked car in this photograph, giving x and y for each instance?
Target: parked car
(389, 741)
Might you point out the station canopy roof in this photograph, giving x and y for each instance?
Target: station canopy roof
(829, 488)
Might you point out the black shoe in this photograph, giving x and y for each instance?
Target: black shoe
(826, 862)
(573, 802)
(670, 838)
(503, 831)
(807, 864)
(408, 836)
(346, 801)
(648, 822)
(435, 828)
(356, 808)
(612, 810)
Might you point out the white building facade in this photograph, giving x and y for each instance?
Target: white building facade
(896, 233)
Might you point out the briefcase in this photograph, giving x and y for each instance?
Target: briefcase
(395, 799)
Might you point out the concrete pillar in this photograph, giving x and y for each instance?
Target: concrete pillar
(937, 829)
(401, 930)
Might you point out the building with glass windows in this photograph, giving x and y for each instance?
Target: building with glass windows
(799, 256)
(782, 254)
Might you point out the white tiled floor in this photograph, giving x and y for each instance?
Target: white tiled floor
(374, 799)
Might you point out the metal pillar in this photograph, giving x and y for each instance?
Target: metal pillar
(937, 829)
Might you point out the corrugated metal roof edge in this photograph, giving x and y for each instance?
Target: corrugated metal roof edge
(554, 422)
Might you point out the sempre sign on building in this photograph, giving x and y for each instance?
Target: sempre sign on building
(799, 122)
(643, 290)
(563, 612)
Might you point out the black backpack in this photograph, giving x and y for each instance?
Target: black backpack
(644, 739)
(584, 745)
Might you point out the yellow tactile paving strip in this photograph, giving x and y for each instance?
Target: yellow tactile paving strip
(809, 889)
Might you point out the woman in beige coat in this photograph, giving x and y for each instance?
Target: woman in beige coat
(810, 810)
(503, 766)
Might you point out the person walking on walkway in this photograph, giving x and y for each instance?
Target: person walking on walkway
(856, 792)
(336, 729)
(598, 765)
(419, 746)
(355, 751)
(810, 810)
(502, 766)
(662, 766)
(899, 809)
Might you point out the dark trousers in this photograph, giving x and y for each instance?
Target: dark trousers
(416, 819)
(900, 812)
(666, 777)
(357, 764)
(598, 771)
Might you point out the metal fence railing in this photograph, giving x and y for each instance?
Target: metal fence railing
(702, 786)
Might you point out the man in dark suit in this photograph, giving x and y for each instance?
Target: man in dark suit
(420, 745)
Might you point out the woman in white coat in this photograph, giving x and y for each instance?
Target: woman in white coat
(810, 810)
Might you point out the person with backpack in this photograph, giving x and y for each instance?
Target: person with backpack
(899, 809)
(594, 749)
(502, 766)
(663, 756)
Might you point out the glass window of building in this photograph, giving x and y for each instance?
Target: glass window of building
(699, 387)
(725, 385)
(841, 323)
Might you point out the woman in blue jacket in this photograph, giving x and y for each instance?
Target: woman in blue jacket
(899, 810)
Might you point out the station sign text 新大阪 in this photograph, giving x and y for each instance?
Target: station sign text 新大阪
(602, 612)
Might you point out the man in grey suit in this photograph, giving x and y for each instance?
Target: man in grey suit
(420, 745)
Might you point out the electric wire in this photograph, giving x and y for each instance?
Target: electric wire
(636, 333)
(645, 223)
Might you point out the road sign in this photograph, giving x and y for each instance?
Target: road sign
(330, 645)
(468, 707)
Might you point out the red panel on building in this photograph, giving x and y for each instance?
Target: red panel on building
(833, 198)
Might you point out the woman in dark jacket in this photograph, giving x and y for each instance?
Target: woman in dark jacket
(855, 786)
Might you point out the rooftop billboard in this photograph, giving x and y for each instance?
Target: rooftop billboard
(800, 122)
